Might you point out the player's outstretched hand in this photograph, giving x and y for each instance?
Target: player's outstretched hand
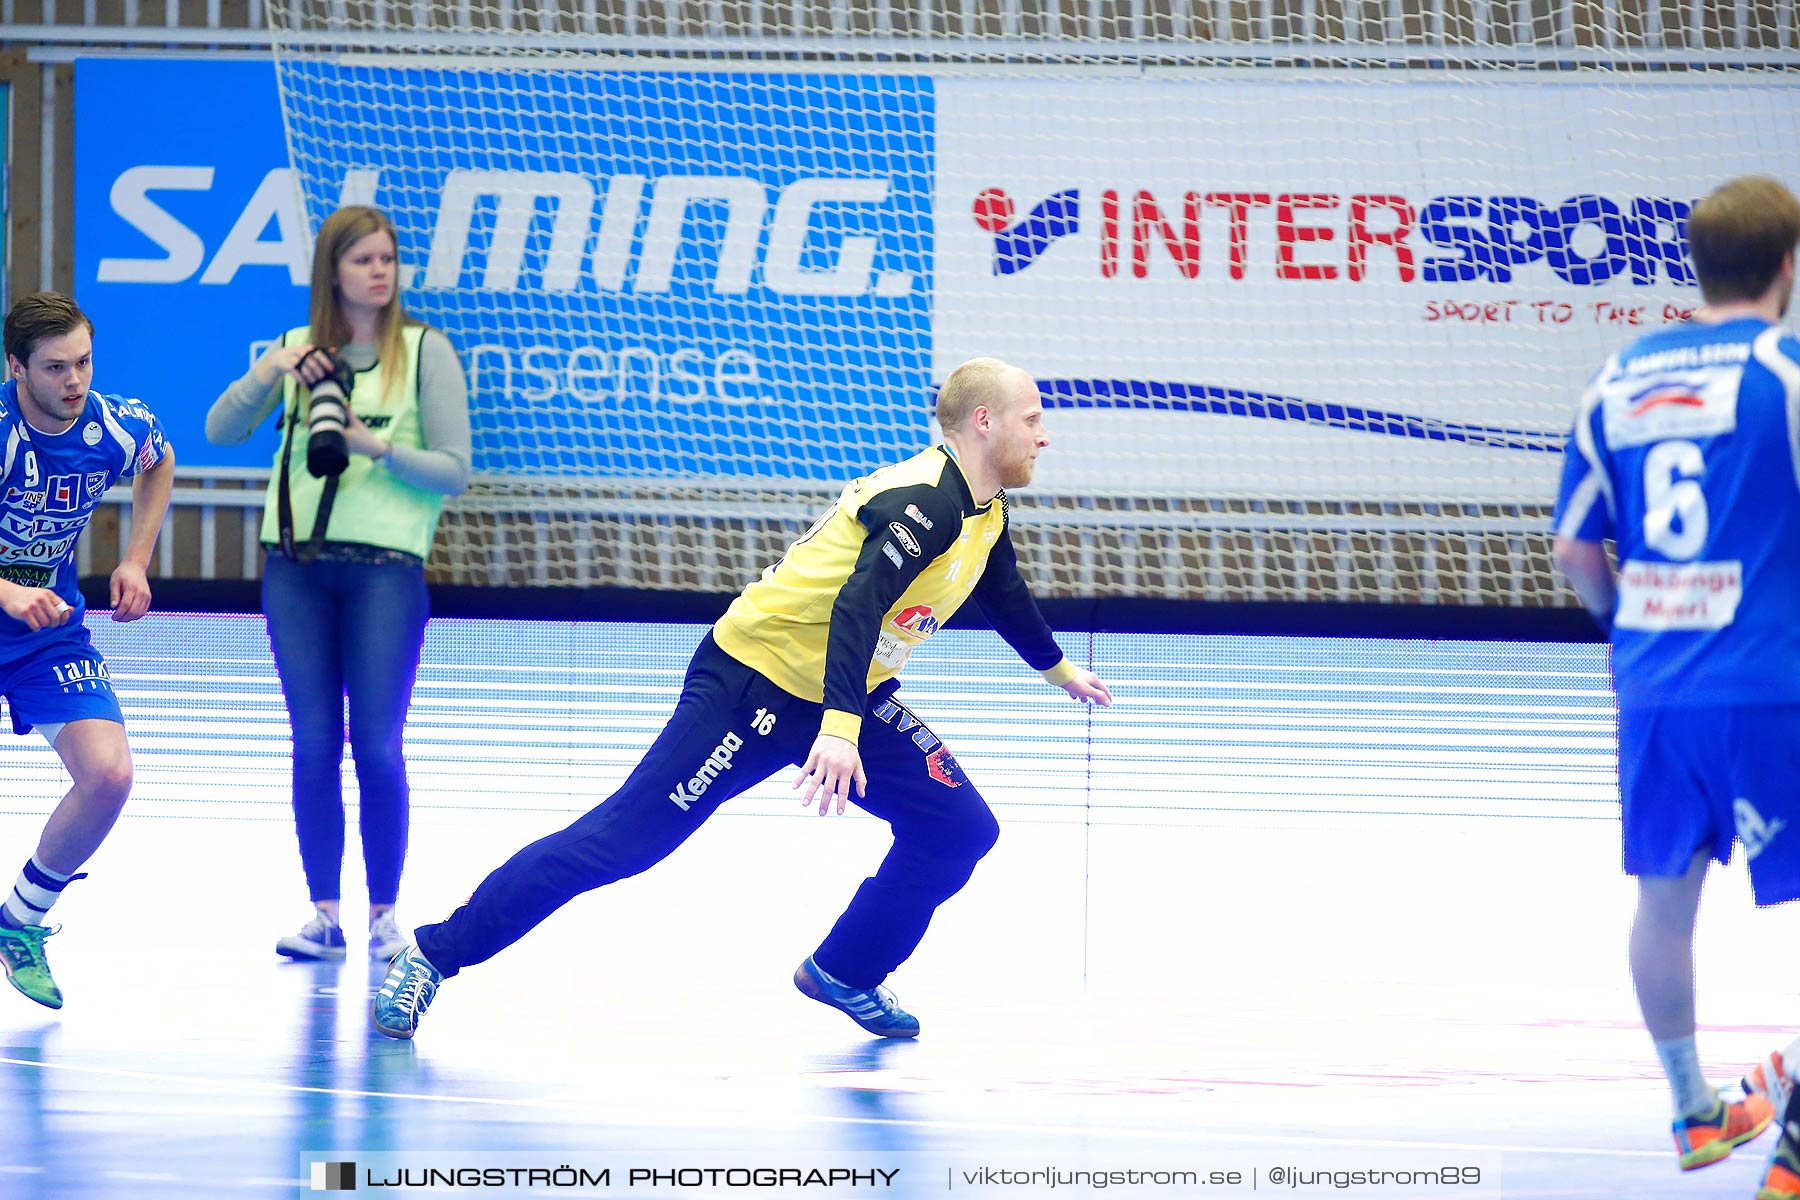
(834, 764)
(130, 592)
(1087, 686)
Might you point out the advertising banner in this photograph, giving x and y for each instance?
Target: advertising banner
(1293, 286)
(189, 247)
(1331, 286)
(647, 274)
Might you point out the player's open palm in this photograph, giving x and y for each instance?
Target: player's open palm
(1088, 686)
(833, 767)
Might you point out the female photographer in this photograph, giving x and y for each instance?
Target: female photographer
(344, 584)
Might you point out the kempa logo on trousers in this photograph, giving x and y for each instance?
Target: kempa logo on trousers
(334, 1177)
(1752, 830)
(716, 764)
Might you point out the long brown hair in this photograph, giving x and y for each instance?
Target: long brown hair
(342, 230)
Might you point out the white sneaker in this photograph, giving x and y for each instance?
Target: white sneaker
(385, 939)
(319, 940)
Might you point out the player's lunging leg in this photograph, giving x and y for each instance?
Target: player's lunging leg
(99, 762)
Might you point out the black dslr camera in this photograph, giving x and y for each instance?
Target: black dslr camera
(327, 454)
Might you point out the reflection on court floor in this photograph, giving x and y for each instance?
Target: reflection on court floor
(1291, 904)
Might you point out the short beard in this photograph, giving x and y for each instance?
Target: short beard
(1017, 475)
(53, 408)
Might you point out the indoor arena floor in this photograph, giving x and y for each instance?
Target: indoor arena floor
(1290, 906)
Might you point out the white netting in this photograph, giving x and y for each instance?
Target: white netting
(1310, 287)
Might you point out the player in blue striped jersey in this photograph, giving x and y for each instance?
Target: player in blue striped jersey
(61, 447)
(1685, 452)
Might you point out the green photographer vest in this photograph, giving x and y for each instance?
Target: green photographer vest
(372, 507)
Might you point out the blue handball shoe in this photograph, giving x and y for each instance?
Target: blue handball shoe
(876, 1010)
(405, 994)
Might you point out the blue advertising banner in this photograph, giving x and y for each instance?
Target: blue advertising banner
(653, 274)
(680, 276)
(189, 245)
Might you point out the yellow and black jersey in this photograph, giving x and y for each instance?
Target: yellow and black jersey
(876, 576)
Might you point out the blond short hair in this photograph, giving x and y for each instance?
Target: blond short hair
(1739, 235)
(977, 382)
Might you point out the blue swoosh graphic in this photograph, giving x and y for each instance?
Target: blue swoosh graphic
(1019, 247)
(1240, 402)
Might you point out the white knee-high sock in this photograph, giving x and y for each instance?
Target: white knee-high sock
(37, 888)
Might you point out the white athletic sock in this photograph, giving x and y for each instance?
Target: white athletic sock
(37, 888)
(1790, 1060)
(1681, 1063)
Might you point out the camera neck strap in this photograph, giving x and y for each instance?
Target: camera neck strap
(284, 500)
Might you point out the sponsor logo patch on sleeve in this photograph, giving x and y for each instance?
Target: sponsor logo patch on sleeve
(905, 537)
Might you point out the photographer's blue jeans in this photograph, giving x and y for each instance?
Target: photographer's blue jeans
(345, 630)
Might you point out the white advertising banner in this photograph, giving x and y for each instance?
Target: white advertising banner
(1323, 287)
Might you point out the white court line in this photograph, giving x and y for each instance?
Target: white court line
(202, 1081)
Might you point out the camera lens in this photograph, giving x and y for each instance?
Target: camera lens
(327, 453)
